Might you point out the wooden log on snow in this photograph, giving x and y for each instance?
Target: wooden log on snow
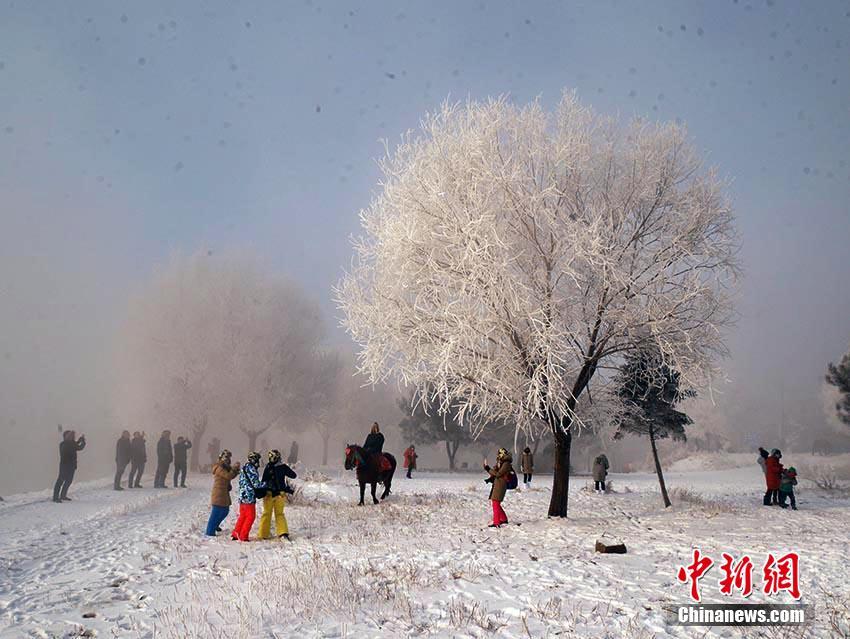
(619, 549)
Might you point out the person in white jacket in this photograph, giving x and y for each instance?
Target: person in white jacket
(762, 461)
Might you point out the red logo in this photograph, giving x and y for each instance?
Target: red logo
(782, 574)
(694, 572)
(778, 575)
(736, 575)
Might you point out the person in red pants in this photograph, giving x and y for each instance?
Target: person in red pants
(250, 487)
(499, 476)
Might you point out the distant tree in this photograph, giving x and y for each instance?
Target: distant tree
(427, 426)
(649, 390)
(215, 343)
(839, 376)
(331, 394)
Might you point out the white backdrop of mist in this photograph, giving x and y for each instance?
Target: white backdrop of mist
(128, 131)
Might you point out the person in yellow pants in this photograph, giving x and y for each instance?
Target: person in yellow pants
(274, 501)
(273, 504)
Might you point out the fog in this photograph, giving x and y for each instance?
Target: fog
(130, 131)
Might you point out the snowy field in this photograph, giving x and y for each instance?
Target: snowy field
(135, 564)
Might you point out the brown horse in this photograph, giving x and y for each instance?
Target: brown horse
(368, 470)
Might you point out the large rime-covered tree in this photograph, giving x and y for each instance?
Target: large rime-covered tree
(213, 342)
(513, 253)
(649, 391)
(839, 376)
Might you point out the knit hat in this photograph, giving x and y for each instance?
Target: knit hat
(225, 454)
(254, 457)
(274, 456)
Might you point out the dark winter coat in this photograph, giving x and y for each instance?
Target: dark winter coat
(222, 476)
(527, 463)
(374, 443)
(180, 449)
(500, 479)
(138, 450)
(68, 453)
(123, 451)
(293, 453)
(164, 451)
(773, 472)
(275, 478)
(600, 468)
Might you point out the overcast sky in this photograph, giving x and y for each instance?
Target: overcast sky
(129, 130)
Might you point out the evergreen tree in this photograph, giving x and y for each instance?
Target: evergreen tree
(650, 390)
(425, 425)
(839, 376)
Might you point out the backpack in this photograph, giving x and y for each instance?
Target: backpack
(512, 481)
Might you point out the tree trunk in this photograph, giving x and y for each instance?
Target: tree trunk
(658, 470)
(561, 480)
(198, 430)
(451, 451)
(536, 445)
(325, 438)
(194, 463)
(252, 439)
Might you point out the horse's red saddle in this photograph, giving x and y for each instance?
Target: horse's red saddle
(384, 464)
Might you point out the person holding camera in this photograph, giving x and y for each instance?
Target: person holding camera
(499, 477)
(68, 449)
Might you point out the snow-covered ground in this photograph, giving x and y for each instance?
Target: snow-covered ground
(421, 564)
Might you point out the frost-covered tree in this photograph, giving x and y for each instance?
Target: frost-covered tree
(513, 256)
(214, 343)
(839, 376)
(649, 390)
(331, 393)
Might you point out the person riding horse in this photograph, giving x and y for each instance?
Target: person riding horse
(374, 444)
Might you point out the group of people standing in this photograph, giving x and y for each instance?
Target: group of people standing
(271, 488)
(133, 452)
(780, 480)
(130, 452)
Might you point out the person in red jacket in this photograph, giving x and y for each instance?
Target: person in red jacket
(773, 475)
(410, 460)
